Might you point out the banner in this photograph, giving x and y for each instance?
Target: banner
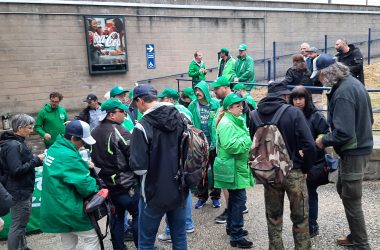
(34, 220)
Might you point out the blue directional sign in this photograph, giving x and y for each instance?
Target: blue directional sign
(150, 56)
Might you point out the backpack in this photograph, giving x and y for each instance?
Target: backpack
(6, 200)
(269, 159)
(194, 154)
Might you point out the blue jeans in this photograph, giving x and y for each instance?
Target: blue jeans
(235, 221)
(149, 222)
(124, 202)
(189, 215)
(313, 206)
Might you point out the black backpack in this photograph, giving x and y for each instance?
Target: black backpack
(6, 200)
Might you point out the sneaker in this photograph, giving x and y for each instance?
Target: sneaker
(199, 204)
(128, 235)
(165, 238)
(344, 241)
(245, 211)
(190, 230)
(216, 203)
(243, 243)
(244, 232)
(222, 219)
(315, 233)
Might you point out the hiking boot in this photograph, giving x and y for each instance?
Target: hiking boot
(344, 241)
(222, 219)
(190, 230)
(243, 243)
(313, 230)
(199, 204)
(165, 238)
(216, 203)
(244, 232)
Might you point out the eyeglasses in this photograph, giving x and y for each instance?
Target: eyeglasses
(120, 111)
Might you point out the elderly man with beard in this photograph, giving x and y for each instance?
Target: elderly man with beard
(350, 117)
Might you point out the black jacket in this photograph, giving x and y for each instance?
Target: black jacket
(298, 77)
(5, 201)
(110, 153)
(294, 130)
(354, 60)
(155, 156)
(350, 118)
(20, 164)
(84, 115)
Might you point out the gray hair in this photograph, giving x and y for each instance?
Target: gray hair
(21, 121)
(334, 73)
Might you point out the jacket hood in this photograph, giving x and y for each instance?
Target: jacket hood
(269, 105)
(164, 117)
(10, 135)
(48, 108)
(202, 85)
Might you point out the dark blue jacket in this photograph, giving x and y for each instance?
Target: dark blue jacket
(155, 156)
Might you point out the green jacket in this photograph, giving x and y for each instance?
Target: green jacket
(184, 110)
(244, 69)
(194, 73)
(250, 99)
(128, 123)
(194, 109)
(231, 170)
(228, 68)
(51, 121)
(66, 182)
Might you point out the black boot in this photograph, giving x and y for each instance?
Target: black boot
(243, 243)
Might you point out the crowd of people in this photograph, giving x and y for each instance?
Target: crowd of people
(134, 138)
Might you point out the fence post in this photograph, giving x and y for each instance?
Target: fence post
(178, 84)
(325, 44)
(369, 46)
(274, 61)
(269, 69)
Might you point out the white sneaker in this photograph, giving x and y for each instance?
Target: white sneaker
(165, 238)
(190, 230)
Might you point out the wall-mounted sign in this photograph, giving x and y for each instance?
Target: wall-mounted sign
(106, 44)
(150, 56)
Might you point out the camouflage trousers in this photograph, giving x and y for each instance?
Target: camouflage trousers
(296, 190)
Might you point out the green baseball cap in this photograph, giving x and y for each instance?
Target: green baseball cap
(189, 92)
(239, 86)
(224, 50)
(117, 90)
(221, 81)
(243, 47)
(231, 99)
(113, 103)
(169, 92)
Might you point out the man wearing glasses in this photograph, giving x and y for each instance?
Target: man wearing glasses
(51, 120)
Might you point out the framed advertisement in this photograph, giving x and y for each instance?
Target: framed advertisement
(106, 44)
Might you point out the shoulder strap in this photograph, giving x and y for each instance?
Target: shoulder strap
(256, 119)
(278, 114)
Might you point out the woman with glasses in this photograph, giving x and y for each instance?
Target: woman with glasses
(19, 176)
(231, 170)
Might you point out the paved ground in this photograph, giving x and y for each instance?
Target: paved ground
(209, 235)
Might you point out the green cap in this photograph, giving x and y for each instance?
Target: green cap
(224, 50)
(243, 47)
(189, 92)
(221, 81)
(169, 92)
(117, 90)
(231, 99)
(239, 86)
(112, 103)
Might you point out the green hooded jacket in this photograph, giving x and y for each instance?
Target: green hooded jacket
(66, 182)
(228, 68)
(250, 99)
(194, 109)
(194, 73)
(231, 170)
(51, 121)
(244, 69)
(184, 110)
(128, 123)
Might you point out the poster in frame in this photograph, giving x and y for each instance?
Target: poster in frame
(106, 44)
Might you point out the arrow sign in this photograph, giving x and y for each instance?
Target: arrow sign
(150, 56)
(150, 48)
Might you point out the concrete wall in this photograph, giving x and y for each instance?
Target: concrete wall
(43, 46)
